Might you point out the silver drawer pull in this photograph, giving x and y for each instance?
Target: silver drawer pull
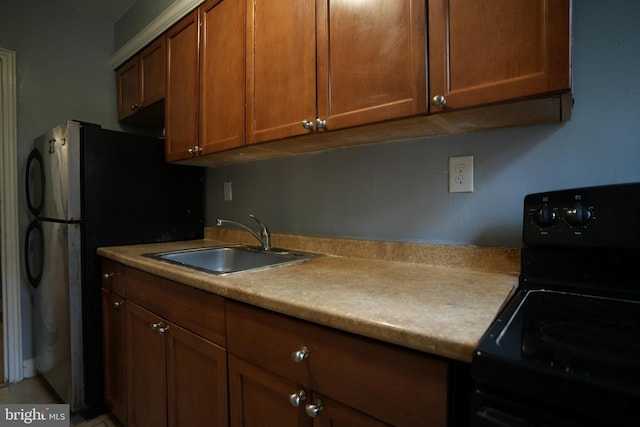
(313, 409)
(297, 398)
(300, 355)
(118, 304)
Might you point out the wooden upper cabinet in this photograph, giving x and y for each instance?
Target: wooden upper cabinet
(152, 72)
(222, 75)
(485, 52)
(141, 84)
(371, 61)
(281, 68)
(349, 64)
(128, 88)
(181, 103)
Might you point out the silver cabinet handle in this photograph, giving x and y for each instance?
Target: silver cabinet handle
(321, 124)
(159, 327)
(107, 276)
(313, 409)
(307, 124)
(439, 101)
(118, 304)
(297, 398)
(300, 355)
(134, 107)
(195, 150)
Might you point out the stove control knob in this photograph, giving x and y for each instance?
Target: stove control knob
(545, 216)
(578, 216)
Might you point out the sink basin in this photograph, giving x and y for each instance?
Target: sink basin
(232, 259)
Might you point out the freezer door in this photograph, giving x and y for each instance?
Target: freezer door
(58, 313)
(60, 152)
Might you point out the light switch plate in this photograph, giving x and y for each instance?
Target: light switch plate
(228, 194)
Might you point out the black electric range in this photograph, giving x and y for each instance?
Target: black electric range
(565, 351)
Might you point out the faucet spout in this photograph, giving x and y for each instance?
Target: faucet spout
(264, 237)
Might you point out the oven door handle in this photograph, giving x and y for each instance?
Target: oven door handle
(492, 417)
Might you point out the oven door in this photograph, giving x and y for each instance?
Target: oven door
(490, 410)
(555, 355)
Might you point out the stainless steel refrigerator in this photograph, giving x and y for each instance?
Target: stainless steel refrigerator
(89, 187)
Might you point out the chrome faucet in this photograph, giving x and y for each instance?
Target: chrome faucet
(264, 237)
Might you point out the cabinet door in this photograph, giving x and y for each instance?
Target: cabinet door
(484, 52)
(197, 380)
(152, 72)
(128, 89)
(181, 102)
(146, 373)
(333, 414)
(261, 399)
(371, 61)
(222, 71)
(113, 336)
(281, 68)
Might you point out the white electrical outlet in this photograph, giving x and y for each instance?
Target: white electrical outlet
(461, 174)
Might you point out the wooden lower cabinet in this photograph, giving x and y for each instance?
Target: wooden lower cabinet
(192, 358)
(372, 382)
(261, 399)
(113, 333)
(147, 370)
(113, 339)
(174, 376)
(196, 380)
(174, 369)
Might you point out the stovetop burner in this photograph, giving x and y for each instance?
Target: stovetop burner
(594, 337)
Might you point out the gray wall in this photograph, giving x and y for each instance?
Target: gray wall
(139, 16)
(398, 191)
(63, 72)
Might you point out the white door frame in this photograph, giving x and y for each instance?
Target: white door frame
(9, 231)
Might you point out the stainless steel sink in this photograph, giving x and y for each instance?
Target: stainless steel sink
(232, 258)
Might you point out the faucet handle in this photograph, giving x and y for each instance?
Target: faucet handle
(264, 233)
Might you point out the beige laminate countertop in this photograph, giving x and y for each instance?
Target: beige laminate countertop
(441, 310)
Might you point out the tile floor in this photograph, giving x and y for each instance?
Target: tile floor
(33, 390)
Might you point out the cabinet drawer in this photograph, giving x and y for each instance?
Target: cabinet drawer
(393, 384)
(113, 277)
(195, 310)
